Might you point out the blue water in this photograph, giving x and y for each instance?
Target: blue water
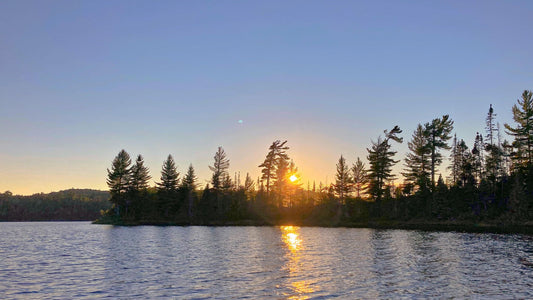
(64, 260)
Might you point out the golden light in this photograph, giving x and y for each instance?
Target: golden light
(290, 237)
(293, 178)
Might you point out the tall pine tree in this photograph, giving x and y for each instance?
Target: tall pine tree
(381, 162)
(417, 161)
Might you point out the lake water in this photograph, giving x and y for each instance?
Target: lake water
(68, 260)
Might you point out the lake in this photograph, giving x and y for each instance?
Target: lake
(80, 260)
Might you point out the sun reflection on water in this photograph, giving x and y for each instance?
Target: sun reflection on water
(293, 242)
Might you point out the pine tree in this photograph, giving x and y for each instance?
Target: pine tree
(343, 180)
(417, 161)
(281, 179)
(437, 133)
(276, 151)
(523, 132)
(381, 162)
(220, 169)
(359, 177)
(140, 175)
(169, 176)
(118, 179)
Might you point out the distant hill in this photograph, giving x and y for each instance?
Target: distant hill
(67, 205)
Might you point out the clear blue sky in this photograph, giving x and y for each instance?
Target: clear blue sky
(80, 80)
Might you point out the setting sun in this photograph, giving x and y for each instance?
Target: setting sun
(293, 178)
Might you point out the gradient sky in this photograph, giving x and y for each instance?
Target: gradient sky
(81, 80)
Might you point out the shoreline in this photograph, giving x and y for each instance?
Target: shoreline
(466, 227)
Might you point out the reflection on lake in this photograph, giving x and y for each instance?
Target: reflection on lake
(80, 260)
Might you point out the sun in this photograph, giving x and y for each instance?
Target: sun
(293, 178)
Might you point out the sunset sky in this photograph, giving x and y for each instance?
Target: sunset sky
(81, 80)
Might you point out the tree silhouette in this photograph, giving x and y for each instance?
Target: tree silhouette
(268, 171)
(381, 162)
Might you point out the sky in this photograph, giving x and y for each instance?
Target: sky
(81, 80)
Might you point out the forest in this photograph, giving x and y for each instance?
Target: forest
(68, 205)
(490, 181)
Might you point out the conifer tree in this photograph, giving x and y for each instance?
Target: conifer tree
(454, 167)
(381, 162)
(437, 133)
(417, 161)
(281, 179)
(140, 175)
(118, 178)
(478, 158)
(343, 180)
(276, 150)
(359, 177)
(169, 176)
(189, 181)
(523, 132)
(220, 169)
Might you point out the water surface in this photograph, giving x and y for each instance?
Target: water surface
(80, 260)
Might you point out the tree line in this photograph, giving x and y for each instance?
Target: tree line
(68, 205)
(492, 180)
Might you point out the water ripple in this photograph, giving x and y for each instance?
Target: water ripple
(84, 261)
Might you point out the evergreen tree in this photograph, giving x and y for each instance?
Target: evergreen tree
(477, 154)
(281, 179)
(169, 176)
(466, 164)
(437, 133)
(343, 181)
(220, 169)
(140, 175)
(454, 167)
(417, 161)
(118, 179)
(523, 132)
(138, 198)
(276, 151)
(359, 177)
(381, 162)
(189, 181)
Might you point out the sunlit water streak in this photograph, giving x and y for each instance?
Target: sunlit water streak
(80, 260)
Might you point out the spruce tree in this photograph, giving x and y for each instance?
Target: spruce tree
(189, 181)
(359, 177)
(343, 180)
(140, 175)
(454, 166)
(169, 176)
(478, 157)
